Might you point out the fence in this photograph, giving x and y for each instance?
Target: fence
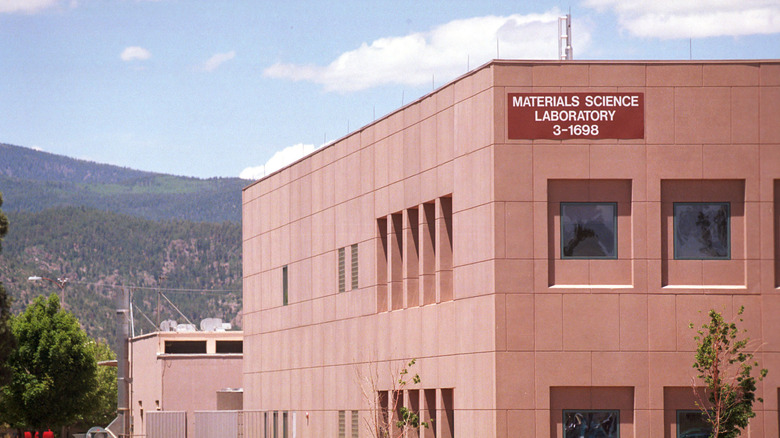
(209, 424)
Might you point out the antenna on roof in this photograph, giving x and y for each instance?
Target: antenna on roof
(565, 52)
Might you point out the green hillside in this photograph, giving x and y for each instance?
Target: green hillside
(33, 181)
(103, 226)
(97, 250)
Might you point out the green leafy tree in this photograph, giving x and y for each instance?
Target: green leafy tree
(7, 343)
(103, 398)
(726, 367)
(53, 369)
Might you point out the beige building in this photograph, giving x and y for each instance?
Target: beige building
(538, 236)
(184, 372)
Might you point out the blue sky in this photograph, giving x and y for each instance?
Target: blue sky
(231, 87)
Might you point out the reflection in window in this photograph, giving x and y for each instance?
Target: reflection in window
(691, 424)
(701, 230)
(591, 424)
(589, 230)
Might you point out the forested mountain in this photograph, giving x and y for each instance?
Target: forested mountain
(103, 227)
(198, 265)
(33, 181)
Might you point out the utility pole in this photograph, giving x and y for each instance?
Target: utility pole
(59, 282)
(121, 426)
(160, 279)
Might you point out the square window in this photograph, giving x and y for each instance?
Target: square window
(591, 423)
(702, 231)
(588, 230)
(691, 424)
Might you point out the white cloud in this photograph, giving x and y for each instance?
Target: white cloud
(25, 6)
(135, 53)
(442, 53)
(694, 18)
(280, 159)
(215, 61)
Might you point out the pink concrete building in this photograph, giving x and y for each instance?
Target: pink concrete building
(183, 372)
(538, 235)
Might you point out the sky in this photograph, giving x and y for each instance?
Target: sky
(227, 88)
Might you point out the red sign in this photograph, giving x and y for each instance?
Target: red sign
(561, 116)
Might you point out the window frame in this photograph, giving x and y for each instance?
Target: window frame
(588, 411)
(562, 242)
(675, 205)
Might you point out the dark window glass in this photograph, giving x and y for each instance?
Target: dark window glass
(702, 230)
(284, 285)
(588, 230)
(591, 424)
(185, 347)
(691, 424)
(227, 347)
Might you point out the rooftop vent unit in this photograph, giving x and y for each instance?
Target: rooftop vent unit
(168, 325)
(186, 328)
(214, 325)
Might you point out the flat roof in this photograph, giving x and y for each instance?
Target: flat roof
(518, 62)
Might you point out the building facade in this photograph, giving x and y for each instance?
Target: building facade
(183, 372)
(538, 236)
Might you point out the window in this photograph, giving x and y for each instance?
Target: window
(342, 273)
(691, 424)
(591, 423)
(185, 347)
(342, 424)
(284, 285)
(230, 347)
(354, 257)
(429, 410)
(284, 425)
(447, 425)
(588, 230)
(355, 424)
(702, 231)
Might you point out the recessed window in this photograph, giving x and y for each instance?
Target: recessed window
(185, 347)
(230, 347)
(354, 257)
(355, 424)
(342, 274)
(691, 424)
(588, 230)
(595, 423)
(284, 285)
(702, 231)
(342, 424)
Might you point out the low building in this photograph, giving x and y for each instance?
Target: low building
(538, 236)
(184, 372)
